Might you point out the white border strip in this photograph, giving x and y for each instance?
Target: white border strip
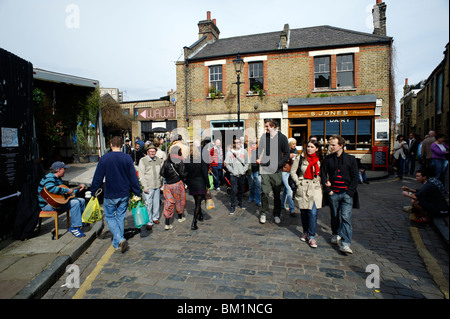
(334, 51)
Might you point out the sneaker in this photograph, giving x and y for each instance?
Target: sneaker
(407, 209)
(232, 211)
(335, 239)
(312, 243)
(182, 219)
(218, 189)
(345, 249)
(262, 219)
(123, 246)
(258, 204)
(76, 231)
(304, 237)
(167, 227)
(241, 206)
(277, 220)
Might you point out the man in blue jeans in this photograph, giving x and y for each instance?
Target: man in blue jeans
(121, 180)
(339, 177)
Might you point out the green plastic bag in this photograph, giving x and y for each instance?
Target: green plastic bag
(140, 215)
(92, 212)
(211, 181)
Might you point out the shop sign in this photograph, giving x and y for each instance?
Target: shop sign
(156, 114)
(331, 113)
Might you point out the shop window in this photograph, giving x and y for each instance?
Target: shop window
(215, 78)
(345, 71)
(322, 75)
(256, 76)
(356, 132)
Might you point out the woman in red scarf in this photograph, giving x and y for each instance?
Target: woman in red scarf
(305, 173)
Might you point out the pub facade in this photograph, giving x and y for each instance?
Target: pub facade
(319, 81)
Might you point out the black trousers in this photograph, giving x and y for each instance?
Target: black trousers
(237, 188)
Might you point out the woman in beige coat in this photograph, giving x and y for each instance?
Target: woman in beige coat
(305, 173)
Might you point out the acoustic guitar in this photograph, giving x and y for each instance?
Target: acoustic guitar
(56, 200)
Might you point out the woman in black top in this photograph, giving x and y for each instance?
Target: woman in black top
(197, 181)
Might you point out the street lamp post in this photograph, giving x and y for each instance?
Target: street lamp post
(238, 65)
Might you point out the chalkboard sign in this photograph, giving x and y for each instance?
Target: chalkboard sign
(380, 157)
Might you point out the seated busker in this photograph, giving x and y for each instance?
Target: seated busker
(64, 197)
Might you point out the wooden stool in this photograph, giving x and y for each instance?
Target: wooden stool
(54, 214)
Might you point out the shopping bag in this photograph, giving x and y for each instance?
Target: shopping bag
(92, 212)
(211, 180)
(140, 215)
(210, 203)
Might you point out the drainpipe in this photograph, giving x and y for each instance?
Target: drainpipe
(186, 91)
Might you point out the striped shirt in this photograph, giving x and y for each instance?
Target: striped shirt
(338, 185)
(51, 183)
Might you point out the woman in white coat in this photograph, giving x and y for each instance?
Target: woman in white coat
(305, 173)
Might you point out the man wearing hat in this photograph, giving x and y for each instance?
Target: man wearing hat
(52, 182)
(149, 172)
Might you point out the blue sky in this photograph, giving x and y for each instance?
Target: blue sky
(133, 45)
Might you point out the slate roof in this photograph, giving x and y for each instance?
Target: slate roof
(319, 37)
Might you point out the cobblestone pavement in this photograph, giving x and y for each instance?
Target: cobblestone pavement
(234, 256)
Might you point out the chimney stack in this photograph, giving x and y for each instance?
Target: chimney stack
(209, 28)
(379, 18)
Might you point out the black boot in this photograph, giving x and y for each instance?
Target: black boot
(200, 216)
(194, 223)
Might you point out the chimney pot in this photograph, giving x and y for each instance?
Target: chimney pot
(214, 21)
(208, 15)
(379, 1)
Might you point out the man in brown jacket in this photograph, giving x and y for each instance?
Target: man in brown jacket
(425, 151)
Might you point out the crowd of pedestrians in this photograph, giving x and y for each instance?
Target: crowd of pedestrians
(271, 169)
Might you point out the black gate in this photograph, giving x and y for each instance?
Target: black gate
(16, 136)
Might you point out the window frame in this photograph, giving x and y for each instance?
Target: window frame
(252, 78)
(318, 71)
(216, 83)
(346, 70)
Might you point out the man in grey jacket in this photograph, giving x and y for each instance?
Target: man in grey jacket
(149, 168)
(236, 162)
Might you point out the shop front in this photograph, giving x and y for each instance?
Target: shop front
(352, 117)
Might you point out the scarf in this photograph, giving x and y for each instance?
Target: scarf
(313, 168)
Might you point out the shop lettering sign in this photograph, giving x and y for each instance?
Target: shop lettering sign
(331, 113)
(149, 114)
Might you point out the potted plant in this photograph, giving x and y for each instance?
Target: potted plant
(213, 92)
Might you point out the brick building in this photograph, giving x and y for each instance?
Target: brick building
(319, 80)
(425, 107)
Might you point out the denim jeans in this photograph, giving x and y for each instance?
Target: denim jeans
(255, 187)
(76, 206)
(309, 221)
(115, 212)
(439, 167)
(341, 205)
(218, 175)
(287, 192)
(152, 203)
(400, 165)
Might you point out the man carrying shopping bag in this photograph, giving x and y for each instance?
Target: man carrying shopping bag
(121, 180)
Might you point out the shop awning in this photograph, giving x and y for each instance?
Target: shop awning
(332, 100)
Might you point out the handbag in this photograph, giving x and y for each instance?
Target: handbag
(140, 215)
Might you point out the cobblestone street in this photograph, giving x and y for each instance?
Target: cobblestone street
(235, 256)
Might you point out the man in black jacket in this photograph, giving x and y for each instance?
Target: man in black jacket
(410, 163)
(339, 176)
(273, 154)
